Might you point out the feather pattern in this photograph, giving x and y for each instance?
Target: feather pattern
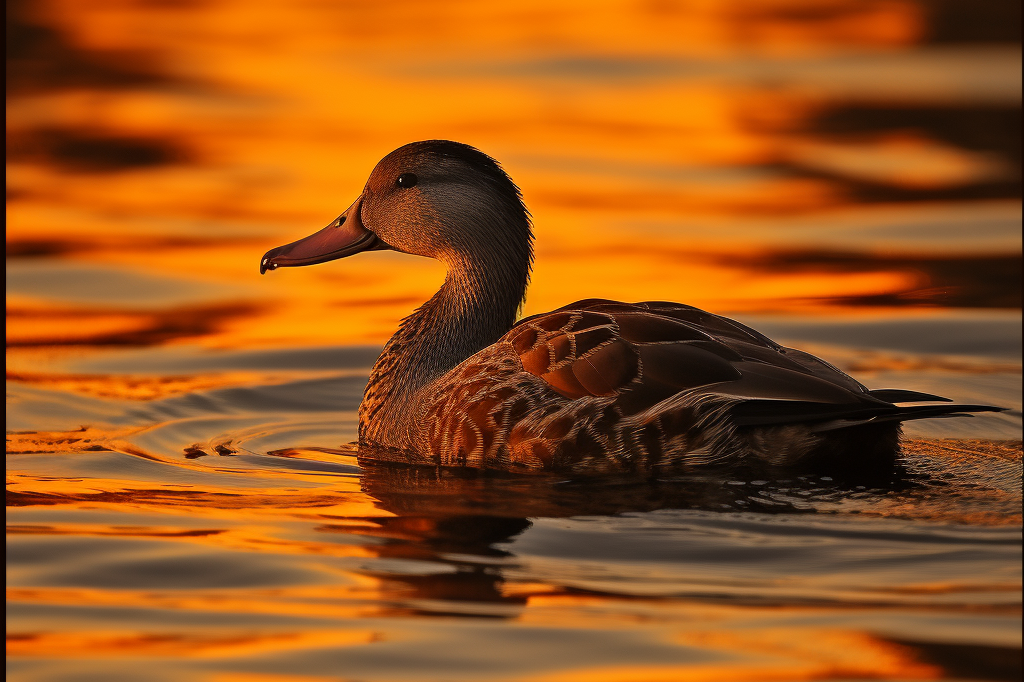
(603, 386)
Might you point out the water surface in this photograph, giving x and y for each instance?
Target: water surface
(183, 499)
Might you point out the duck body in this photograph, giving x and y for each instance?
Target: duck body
(600, 387)
(595, 387)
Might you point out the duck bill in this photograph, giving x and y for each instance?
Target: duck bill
(343, 237)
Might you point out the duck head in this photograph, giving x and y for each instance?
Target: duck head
(440, 199)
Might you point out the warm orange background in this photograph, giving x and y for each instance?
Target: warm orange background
(780, 156)
(837, 159)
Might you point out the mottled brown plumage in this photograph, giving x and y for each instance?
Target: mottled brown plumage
(594, 387)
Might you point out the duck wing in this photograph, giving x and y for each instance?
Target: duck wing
(645, 353)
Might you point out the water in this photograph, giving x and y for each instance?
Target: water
(183, 499)
(228, 530)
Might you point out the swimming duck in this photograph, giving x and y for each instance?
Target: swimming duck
(596, 386)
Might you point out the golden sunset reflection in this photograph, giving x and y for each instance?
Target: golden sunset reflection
(108, 644)
(237, 151)
(184, 498)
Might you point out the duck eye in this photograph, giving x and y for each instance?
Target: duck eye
(406, 180)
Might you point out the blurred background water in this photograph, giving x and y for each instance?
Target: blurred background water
(181, 502)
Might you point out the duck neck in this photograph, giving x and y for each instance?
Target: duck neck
(475, 306)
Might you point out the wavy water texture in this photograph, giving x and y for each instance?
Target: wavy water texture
(184, 500)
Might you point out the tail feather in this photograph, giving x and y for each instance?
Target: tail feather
(898, 395)
(903, 414)
(822, 417)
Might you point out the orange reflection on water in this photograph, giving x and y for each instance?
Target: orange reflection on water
(749, 653)
(527, 27)
(879, 662)
(783, 156)
(902, 159)
(139, 387)
(336, 498)
(780, 648)
(604, 116)
(353, 600)
(361, 300)
(31, 323)
(102, 644)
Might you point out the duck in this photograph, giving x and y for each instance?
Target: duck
(594, 387)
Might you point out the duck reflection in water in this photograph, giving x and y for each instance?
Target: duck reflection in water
(468, 520)
(595, 387)
(441, 518)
